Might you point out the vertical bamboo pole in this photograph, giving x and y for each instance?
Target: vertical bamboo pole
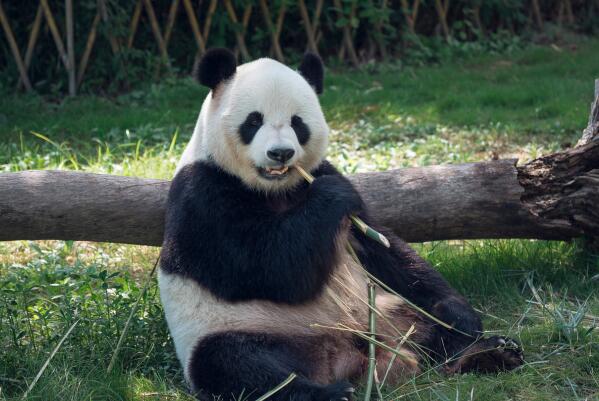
(341, 52)
(206, 31)
(347, 37)
(408, 16)
(71, 47)
(35, 30)
(170, 22)
(279, 25)
(442, 13)
(415, 8)
(238, 35)
(91, 38)
(560, 14)
(536, 8)
(311, 26)
(156, 30)
(244, 24)
(247, 13)
(114, 44)
(55, 33)
(307, 26)
(569, 13)
(378, 28)
(208, 20)
(195, 27)
(245, 19)
(316, 21)
(134, 24)
(274, 37)
(14, 48)
(405, 9)
(477, 20)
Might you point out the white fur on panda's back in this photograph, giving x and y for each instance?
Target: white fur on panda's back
(194, 149)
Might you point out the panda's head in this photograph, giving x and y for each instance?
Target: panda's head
(262, 118)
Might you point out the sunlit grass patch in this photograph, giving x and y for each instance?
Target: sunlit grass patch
(54, 284)
(481, 105)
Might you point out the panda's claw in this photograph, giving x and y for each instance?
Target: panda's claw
(489, 355)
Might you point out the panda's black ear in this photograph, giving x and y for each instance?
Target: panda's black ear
(216, 66)
(312, 69)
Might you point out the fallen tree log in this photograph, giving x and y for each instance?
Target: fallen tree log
(553, 197)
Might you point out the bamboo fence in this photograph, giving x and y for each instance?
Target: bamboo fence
(273, 17)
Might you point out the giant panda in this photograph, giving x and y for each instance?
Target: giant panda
(255, 278)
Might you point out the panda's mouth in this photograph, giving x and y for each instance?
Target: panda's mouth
(274, 173)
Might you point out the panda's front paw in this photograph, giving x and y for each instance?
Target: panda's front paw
(489, 355)
(337, 193)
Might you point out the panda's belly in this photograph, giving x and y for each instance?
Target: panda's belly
(192, 312)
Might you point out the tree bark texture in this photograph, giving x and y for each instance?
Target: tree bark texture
(552, 197)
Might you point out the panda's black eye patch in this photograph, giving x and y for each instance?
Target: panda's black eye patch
(301, 129)
(250, 126)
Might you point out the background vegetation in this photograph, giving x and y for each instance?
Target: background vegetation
(403, 32)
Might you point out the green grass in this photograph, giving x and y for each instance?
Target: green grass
(44, 287)
(519, 105)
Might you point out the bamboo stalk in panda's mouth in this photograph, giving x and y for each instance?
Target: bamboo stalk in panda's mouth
(358, 222)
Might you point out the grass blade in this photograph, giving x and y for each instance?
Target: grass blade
(285, 382)
(45, 365)
(133, 310)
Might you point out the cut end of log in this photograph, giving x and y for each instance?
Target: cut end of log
(564, 187)
(591, 132)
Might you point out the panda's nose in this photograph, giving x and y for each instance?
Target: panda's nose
(280, 154)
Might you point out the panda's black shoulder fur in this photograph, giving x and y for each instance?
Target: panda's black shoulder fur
(241, 245)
